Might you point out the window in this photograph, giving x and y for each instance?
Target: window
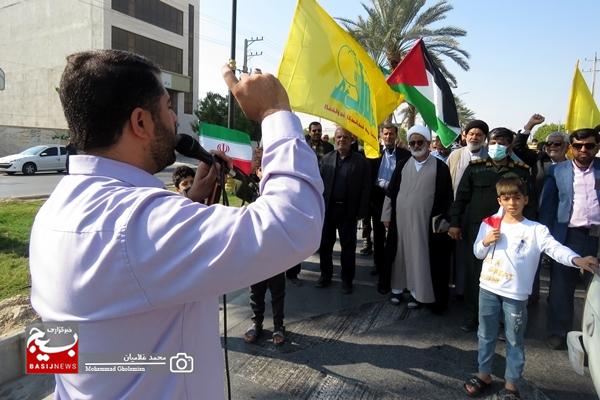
(188, 100)
(50, 151)
(167, 57)
(63, 151)
(154, 12)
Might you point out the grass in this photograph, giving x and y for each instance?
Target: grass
(16, 218)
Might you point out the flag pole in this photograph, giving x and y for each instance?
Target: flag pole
(231, 110)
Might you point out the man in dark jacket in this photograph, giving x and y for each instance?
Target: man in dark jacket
(382, 169)
(346, 177)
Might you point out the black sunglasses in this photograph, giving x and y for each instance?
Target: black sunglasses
(554, 144)
(588, 146)
(416, 143)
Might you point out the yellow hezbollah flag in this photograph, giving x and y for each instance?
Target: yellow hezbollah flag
(327, 73)
(583, 111)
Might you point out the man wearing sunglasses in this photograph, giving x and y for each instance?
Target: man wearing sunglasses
(320, 147)
(419, 190)
(570, 208)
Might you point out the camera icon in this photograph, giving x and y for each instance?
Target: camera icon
(181, 363)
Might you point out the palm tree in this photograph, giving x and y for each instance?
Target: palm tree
(392, 27)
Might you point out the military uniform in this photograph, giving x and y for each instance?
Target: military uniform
(476, 198)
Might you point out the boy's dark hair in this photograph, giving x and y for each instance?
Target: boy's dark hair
(584, 134)
(99, 90)
(180, 173)
(511, 184)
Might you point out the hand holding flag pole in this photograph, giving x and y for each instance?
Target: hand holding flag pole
(494, 221)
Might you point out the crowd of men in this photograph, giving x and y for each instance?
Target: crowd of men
(423, 203)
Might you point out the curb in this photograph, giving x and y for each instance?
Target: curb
(12, 350)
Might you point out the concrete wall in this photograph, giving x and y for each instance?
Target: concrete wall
(16, 139)
(35, 38)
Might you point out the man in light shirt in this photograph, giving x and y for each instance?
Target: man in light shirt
(569, 207)
(140, 268)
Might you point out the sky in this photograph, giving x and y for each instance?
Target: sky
(522, 53)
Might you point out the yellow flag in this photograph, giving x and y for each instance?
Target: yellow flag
(583, 111)
(327, 73)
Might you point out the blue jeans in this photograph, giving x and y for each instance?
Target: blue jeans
(491, 306)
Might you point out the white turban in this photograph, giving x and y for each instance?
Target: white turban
(421, 130)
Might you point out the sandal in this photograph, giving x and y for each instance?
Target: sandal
(278, 337)
(506, 394)
(477, 385)
(252, 333)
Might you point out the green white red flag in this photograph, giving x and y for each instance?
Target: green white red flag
(235, 144)
(423, 86)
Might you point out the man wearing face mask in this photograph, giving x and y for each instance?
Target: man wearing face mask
(419, 190)
(475, 199)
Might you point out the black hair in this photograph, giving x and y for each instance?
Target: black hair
(100, 89)
(180, 173)
(584, 133)
(313, 123)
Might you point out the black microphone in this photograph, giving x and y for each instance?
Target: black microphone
(191, 148)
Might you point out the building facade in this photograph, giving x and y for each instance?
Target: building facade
(36, 36)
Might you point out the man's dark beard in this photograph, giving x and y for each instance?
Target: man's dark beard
(163, 146)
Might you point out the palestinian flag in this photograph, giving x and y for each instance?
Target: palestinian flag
(424, 87)
(235, 144)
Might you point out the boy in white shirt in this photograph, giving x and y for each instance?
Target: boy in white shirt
(511, 248)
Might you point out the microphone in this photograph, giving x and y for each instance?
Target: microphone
(191, 148)
(187, 146)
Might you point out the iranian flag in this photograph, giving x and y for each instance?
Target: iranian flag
(234, 143)
(423, 86)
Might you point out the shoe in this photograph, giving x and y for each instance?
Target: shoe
(252, 334)
(396, 298)
(367, 250)
(296, 281)
(323, 282)
(556, 342)
(346, 287)
(469, 326)
(413, 304)
(279, 336)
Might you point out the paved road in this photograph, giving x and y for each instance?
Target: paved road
(359, 346)
(43, 183)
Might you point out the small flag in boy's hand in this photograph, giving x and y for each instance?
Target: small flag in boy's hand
(495, 221)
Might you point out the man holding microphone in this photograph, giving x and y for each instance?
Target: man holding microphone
(140, 268)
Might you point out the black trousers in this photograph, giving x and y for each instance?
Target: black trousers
(563, 280)
(379, 233)
(276, 285)
(472, 272)
(336, 218)
(293, 272)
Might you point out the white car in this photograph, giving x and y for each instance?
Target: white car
(587, 341)
(51, 157)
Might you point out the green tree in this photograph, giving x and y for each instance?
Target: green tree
(392, 27)
(544, 130)
(465, 114)
(213, 109)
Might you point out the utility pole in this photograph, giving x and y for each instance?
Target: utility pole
(247, 43)
(231, 100)
(593, 71)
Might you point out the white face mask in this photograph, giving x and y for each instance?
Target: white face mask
(474, 146)
(418, 153)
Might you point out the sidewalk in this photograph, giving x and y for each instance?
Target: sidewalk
(360, 346)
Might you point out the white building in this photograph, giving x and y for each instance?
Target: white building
(36, 36)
